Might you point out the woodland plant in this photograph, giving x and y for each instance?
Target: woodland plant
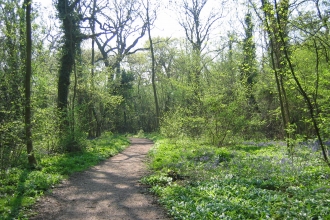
(247, 181)
(20, 187)
(215, 85)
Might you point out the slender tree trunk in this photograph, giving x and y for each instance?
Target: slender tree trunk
(315, 96)
(307, 99)
(153, 70)
(28, 133)
(278, 62)
(91, 103)
(279, 45)
(74, 99)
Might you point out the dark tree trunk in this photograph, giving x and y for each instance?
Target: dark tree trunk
(92, 125)
(72, 39)
(67, 59)
(28, 133)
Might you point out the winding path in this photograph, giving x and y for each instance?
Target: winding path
(109, 190)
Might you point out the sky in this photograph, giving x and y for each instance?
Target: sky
(167, 17)
(166, 23)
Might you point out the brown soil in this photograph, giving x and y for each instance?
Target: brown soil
(110, 190)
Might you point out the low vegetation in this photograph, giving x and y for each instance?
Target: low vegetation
(21, 187)
(264, 77)
(244, 181)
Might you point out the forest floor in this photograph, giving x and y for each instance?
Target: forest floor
(110, 190)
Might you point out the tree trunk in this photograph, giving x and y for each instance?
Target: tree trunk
(28, 133)
(302, 91)
(153, 70)
(91, 134)
(72, 41)
(278, 59)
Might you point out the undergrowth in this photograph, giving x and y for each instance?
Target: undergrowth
(247, 181)
(20, 187)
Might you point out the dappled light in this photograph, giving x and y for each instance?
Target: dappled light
(234, 95)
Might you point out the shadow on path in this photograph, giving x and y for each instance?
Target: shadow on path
(108, 191)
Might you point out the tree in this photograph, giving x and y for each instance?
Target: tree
(12, 69)
(28, 133)
(71, 42)
(124, 26)
(92, 111)
(276, 20)
(248, 67)
(197, 30)
(197, 33)
(166, 51)
(72, 38)
(149, 22)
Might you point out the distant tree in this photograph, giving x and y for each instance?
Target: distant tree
(197, 28)
(166, 51)
(123, 28)
(248, 67)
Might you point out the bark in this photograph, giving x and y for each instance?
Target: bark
(28, 133)
(278, 58)
(91, 134)
(307, 99)
(153, 69)
(72, 39)
(277, 31)
(124, 26)
(197, 30)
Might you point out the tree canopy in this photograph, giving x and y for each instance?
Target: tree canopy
(255, 71)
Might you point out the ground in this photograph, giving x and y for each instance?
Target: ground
(110, 190)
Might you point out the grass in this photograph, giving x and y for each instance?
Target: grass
(21, 187)
(247, 181)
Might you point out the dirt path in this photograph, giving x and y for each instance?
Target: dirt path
(108, 191)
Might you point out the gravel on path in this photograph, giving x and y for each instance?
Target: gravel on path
(110, 190)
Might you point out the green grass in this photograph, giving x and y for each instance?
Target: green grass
(21, 187)
(255, 181)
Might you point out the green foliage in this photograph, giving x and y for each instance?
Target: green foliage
(12, 56)
(314, 80)
(124, 114)
(20, 187)
(45, 131)
(247, 181)
(219, 98)
(182, 122)
(141, 134)
(183, 156)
